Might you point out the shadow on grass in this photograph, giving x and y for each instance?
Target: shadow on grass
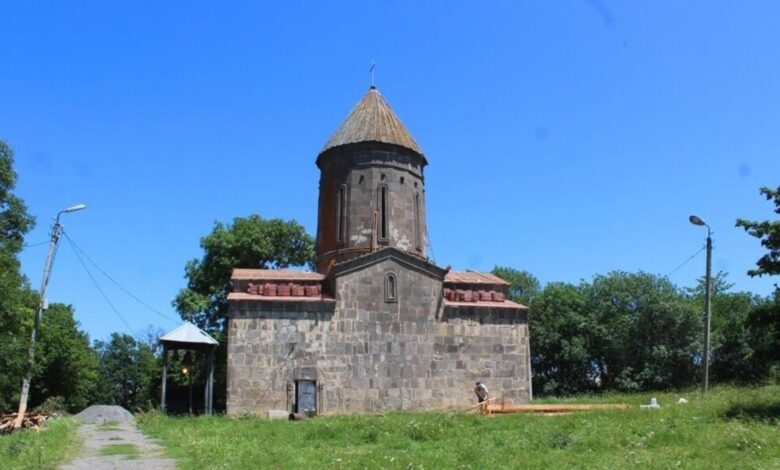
(754, 411)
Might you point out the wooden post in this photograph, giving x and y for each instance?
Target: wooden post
(211, 381)
(164, 379)
(206, 382)
(208, 395)
(188, 364)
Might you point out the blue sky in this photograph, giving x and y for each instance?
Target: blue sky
(566, 138)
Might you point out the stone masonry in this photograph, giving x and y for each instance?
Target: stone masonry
(379, 326)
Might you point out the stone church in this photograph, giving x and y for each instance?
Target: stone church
(378, 326)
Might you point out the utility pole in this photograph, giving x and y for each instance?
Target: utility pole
(707, 313)
(56, 232)
(707, 302)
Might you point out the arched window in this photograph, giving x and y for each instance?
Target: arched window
(383, 225)
(417, 228)
(341, 214)
(391, 288)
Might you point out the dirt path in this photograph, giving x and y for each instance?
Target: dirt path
(118, 446)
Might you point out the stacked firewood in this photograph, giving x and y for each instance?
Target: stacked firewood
(31, 421)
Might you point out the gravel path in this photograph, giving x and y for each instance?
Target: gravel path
(96, 437)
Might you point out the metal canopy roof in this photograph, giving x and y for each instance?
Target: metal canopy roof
(188, 334)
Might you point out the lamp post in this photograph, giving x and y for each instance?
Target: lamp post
(707, 302)
(56, 231)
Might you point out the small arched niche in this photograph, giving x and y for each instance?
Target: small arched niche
(391, 287)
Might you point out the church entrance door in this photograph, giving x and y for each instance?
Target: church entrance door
(306, 397)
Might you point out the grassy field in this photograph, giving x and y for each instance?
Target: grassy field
(730, 428)
(43, 449)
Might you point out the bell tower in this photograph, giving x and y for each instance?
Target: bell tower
(372, 189)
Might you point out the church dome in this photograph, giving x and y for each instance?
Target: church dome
(372, 120)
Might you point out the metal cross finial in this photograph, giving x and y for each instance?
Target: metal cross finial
(371, 71)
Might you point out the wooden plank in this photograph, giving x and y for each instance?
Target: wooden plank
(553, 408)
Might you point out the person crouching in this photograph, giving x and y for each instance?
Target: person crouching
(481, 391)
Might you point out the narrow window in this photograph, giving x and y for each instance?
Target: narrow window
(417, 228)
(383, 212)
(391, 288)
(341, 213)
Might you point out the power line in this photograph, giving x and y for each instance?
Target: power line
(133, 296)
(33, 245)
(684, 262)
(94, 281)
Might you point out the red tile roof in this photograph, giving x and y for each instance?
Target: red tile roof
(275, 275)
(504, 304)
(237, 296)
(473, 277)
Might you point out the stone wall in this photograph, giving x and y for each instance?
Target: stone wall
(362, 169)
(369, 355)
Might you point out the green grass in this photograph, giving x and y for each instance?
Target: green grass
(129, 451)
(730, 428)
(45, 449)
(109, 426)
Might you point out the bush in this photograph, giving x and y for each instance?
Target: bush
(52, 405)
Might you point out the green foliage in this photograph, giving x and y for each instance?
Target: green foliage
(129, 373)
(768, 231)
(645, 334)
(15, 222)
(52, 405)
(727, 428)
(523, 286)
(66, 366)
(17, 307)
(251, 242)
(764, 321)
(621, 331)
(764, 325)
(17, 301)
(733, 344)
(560, 341)
(58, 442)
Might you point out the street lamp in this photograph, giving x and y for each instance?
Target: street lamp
(56, 231)
(707, 301)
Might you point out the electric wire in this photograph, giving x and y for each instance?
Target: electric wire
(33, 245)
(133, 296)
(686, 261)
(94, 281)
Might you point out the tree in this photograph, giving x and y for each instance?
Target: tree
(732, 342)
(66, 366)
(17, 301)
(645, 333)
(559, 327)
(15, 222)
(129, 372)
(768, 231)
(764, 326)
(523, 286)
(764, 321)
(251, 242)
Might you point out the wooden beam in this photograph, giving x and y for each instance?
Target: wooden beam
(553, 408)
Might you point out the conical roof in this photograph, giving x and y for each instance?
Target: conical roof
(372, 120)
(188, 333)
